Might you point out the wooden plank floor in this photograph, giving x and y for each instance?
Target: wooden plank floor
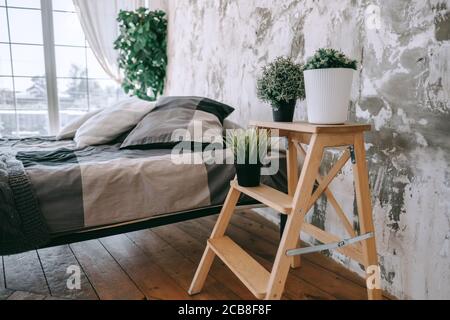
(159, 263)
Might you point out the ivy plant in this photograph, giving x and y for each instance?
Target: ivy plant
(329, 58)
(281, 82)
(142, 52)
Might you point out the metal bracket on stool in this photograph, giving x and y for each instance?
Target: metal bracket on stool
(352, 154)
(329, 246)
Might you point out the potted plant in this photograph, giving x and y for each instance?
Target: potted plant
(249, 148)
(281, 84)
(328, 82)
(142, 45)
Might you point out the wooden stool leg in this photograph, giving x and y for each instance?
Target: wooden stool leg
(292, 171)
(291, 233)
(218, 231)
(202, 271)
(363, 200)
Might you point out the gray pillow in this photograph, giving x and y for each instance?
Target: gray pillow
(175, 119)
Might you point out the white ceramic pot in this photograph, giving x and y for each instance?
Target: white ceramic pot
(328, 94)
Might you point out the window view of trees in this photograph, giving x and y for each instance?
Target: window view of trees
(38, 88)
(81, 91)
(80, 95)
(81, 84)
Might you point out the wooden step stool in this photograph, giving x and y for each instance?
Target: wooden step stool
(300, 198)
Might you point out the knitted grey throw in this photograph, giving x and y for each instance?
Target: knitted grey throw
(22, 226)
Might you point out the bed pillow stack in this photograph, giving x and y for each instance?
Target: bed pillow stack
(111, 122)
(160, 124)
(69, 131)
(176, 119)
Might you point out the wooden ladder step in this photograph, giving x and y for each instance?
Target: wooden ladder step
(248, 270)
(271, 197)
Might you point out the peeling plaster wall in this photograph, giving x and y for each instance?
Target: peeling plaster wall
(217, 48)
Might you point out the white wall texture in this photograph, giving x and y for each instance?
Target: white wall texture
(217, 49)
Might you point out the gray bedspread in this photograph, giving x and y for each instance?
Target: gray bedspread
(72, 189)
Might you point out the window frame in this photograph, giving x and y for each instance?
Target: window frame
(50, 65)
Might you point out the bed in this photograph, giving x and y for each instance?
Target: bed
(96, 191)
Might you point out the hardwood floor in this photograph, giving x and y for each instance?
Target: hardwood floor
(159, 263)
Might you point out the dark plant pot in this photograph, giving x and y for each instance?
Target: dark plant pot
(284, 111)
(248, 175)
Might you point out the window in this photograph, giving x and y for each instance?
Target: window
(42, 58)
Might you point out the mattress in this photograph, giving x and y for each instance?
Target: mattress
(104, 185)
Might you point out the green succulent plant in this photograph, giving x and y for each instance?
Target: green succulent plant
(248, 145)
(329, 58)
(281, 82)
(142, 52)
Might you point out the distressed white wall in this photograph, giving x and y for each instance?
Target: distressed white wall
(217, 48)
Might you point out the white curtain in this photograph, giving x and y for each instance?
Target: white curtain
(98, 20)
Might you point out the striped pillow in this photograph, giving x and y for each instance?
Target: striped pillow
(175, 119)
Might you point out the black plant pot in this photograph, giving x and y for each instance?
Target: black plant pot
(284, 111)
(248, 175)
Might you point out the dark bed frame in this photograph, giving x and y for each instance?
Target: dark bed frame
(111, 230)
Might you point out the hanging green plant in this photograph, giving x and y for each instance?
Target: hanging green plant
(142, 52)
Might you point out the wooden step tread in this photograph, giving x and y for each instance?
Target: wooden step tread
(248, 270)
(271, 197)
